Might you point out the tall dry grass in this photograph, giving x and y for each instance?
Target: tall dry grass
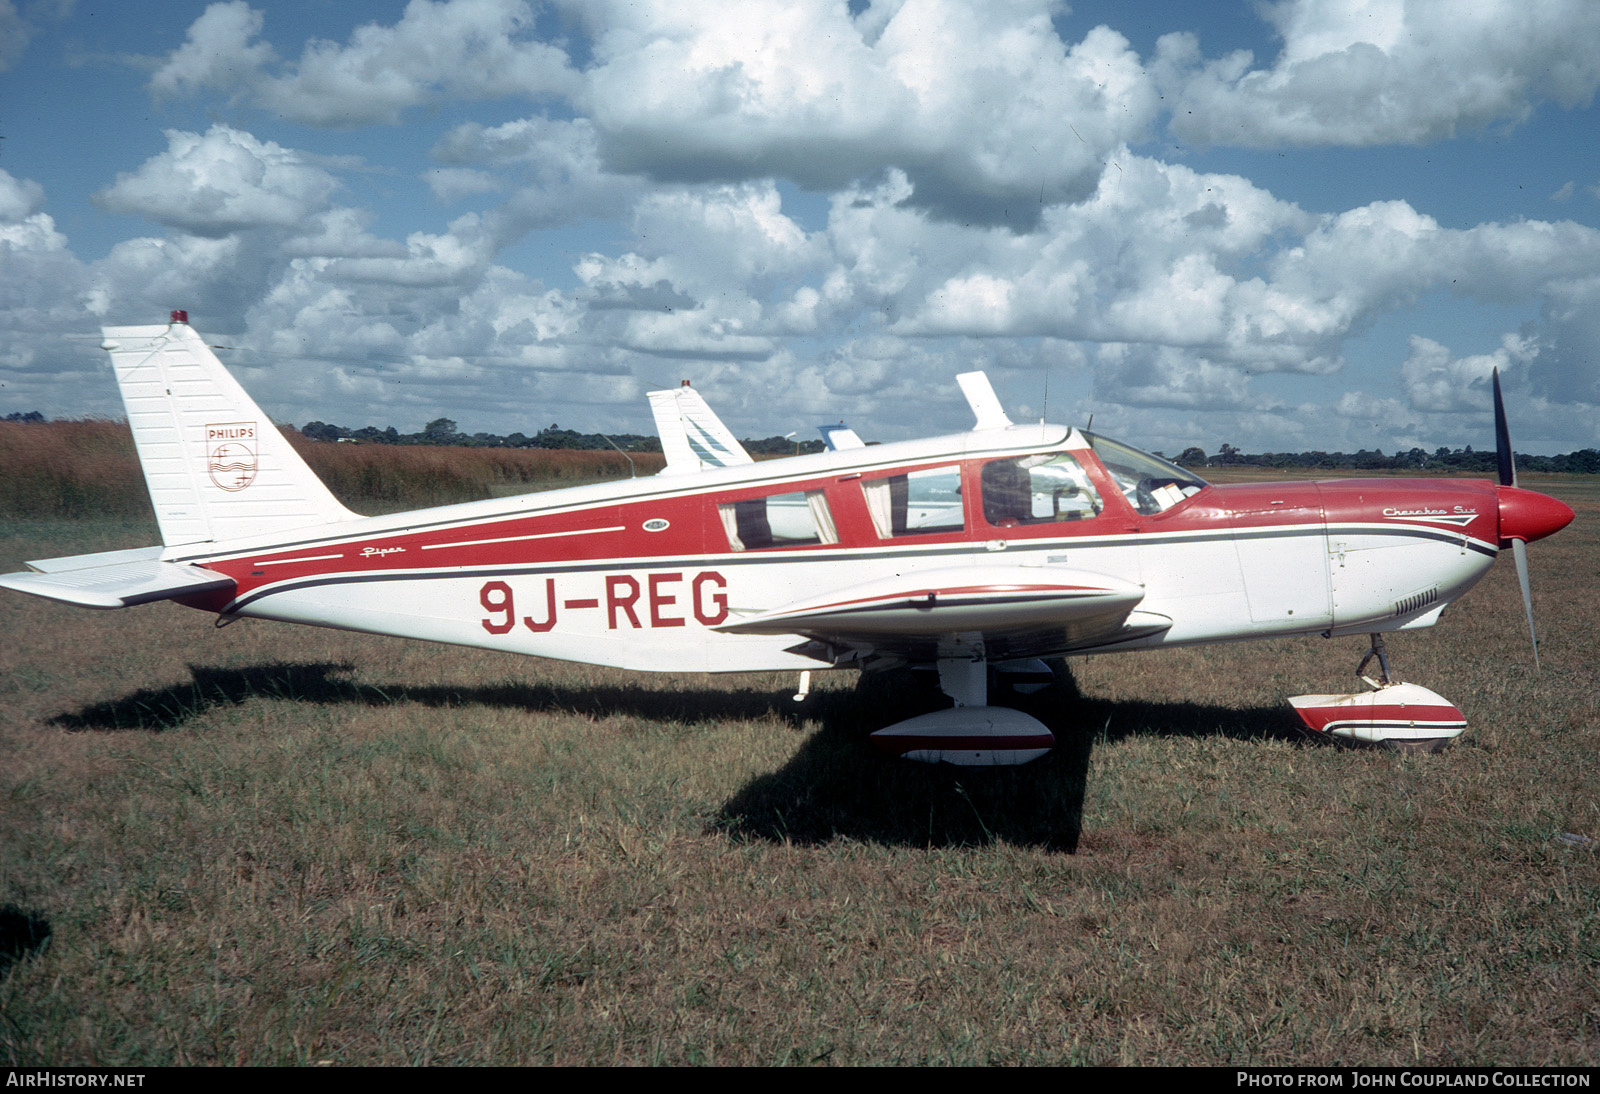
(416, 475)
(70, 469)
(90, 469)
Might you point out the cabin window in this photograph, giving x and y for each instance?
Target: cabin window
(798, 519)
(1037, 490)
(920, 503)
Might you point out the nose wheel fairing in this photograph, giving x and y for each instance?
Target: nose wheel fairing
(1406, 717)
(1403, 716)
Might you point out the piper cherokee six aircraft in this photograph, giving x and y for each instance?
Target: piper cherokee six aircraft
(999, 546)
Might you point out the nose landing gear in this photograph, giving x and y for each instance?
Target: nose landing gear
(1403, 717)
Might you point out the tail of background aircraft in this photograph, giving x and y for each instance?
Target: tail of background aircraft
(692, 436)
(216, 466)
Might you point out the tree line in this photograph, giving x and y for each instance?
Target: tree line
(443, 431)
(1441, 460)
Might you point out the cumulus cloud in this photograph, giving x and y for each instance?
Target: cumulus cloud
(1567, 368)
(1368, 72)
(475, 351)
(1161, 376)
(217, 53)
(223, 182)
(454, 183)
(1436, 381)
(19, 198)
(14, 34)
(140, 279)
(454, 49)
(712, 232)
(989, 199)
(986, 110)
(41, 282)
(1160, 255)
(456, 257)
(552, 168)
(43, 290)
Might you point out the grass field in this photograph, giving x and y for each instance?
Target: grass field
(276, 845)
(89, 468)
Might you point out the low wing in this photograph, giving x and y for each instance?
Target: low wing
(114, 579)
(1021, 610)
(693, 438)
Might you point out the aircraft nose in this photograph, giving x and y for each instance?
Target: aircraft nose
(1528, 515)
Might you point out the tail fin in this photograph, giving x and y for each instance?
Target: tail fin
(984, 402)
(840, 436)
(216, 467)
(692, 436)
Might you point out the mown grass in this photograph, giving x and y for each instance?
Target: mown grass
(268, 844)
(89, 469)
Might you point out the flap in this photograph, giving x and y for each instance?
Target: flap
(953, 600)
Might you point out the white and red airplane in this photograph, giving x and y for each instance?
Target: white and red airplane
(1000, 546)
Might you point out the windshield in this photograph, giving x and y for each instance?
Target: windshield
(1150, 483)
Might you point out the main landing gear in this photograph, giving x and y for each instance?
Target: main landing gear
(971, 733)
(1403, 717)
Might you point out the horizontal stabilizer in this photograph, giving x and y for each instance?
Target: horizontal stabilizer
(118, 584)
(84, 562)
(693, 438)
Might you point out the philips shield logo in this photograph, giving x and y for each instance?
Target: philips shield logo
(231, 454)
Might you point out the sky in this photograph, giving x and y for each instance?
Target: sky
(1289, 226)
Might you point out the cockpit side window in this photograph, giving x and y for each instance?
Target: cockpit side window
(1151, 484)
(1037, 490)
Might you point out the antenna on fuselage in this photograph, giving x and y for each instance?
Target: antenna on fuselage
(633, 472)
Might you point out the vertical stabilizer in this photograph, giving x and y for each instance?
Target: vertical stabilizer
(984, 402)
(693, 438)
(216, 467)
(840, 436)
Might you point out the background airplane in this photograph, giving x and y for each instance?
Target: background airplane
(998, 547)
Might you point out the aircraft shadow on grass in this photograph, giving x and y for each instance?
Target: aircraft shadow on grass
(835, 786)
(326, 682)
(838, 786)
(23, 933)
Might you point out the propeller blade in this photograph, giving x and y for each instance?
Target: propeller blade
(1519, 552)
(1502, 438)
